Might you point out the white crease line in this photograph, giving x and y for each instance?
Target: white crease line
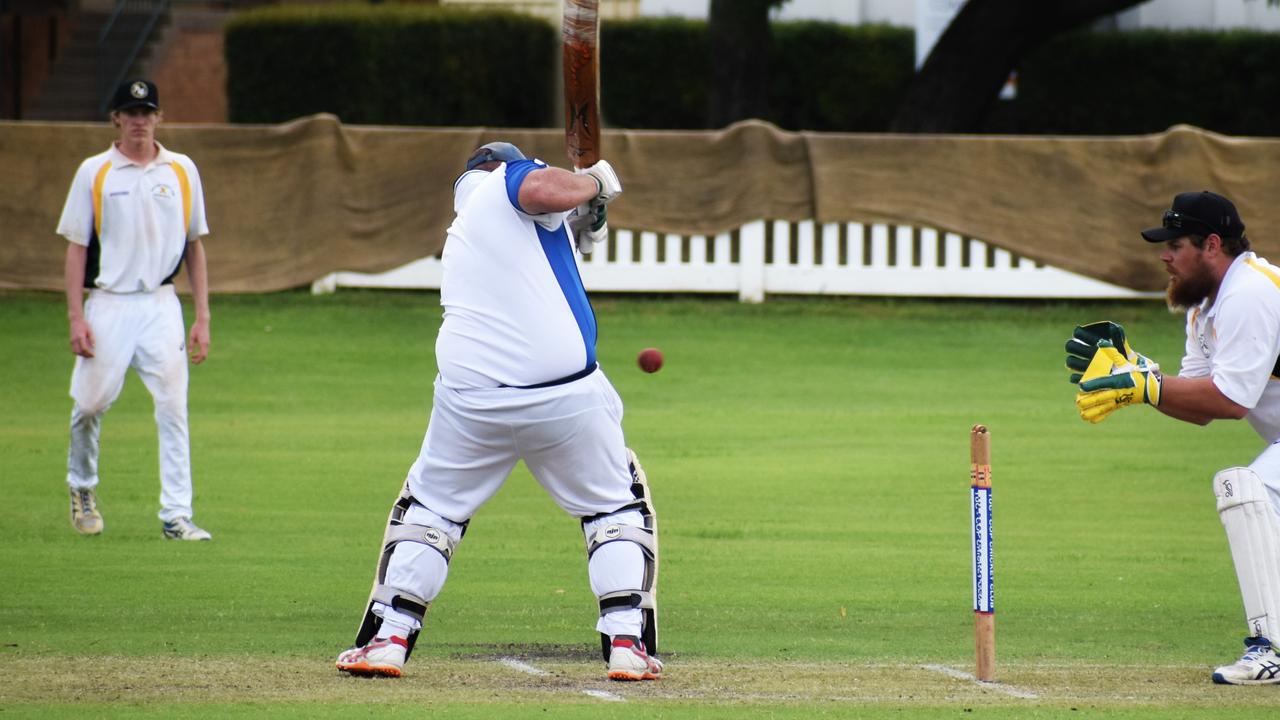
(604, 695)
(959, 675)
(524, 667)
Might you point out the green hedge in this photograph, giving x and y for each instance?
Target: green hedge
(415, 65)
(393, 64)
(829, 77)
(654, 73)
(823, 76)
(1091, 83)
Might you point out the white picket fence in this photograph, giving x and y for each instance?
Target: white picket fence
(802, 258)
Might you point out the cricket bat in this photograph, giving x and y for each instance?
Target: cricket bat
(580, 33)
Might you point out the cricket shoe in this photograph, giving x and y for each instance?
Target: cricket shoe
(1258, 666)
(629, 661)
(382, 656)
(183, 529)
(85, 517)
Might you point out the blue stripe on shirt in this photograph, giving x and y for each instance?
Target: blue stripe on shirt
(516, 170)
(559, 251)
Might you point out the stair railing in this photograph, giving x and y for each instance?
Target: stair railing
(110, 74)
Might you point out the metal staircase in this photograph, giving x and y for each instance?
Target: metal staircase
(104, 48)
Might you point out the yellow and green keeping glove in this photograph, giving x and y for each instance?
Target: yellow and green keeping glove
(1084, 344)
(1112, 381)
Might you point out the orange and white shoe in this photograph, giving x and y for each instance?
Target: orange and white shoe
(382, 656)
(629, 661)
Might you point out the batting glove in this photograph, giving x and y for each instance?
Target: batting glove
(589, 225)
(1111, 382)
(1084, 344)
(608, 187)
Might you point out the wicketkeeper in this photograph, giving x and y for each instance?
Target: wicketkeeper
(519, 381)
(1230, 370)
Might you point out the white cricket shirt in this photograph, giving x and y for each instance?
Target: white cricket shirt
(1236, 342)
(135, 220)
(515, 311)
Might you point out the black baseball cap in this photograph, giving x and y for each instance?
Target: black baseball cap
(499, 151)
(136, 93)
(1197, 213)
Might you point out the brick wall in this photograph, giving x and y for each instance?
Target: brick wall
(188, 67)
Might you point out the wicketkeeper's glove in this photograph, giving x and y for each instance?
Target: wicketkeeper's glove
(589, 224)
(1111, 382)
(1084, 343)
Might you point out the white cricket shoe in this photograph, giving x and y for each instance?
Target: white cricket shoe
(1258, 666)
(183, 529)
(85, 517)
(629, 661)
(382, 656)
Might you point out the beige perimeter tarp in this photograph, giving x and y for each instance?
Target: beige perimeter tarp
(290, 203)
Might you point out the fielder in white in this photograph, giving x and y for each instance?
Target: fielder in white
(133, 214)
(519, 381)
(1231, 370)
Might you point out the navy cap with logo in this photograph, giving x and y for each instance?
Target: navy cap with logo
(1197, 213)
(494, 151)
(136, 93)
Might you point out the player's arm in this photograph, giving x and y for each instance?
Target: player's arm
(1197, 400)
(1112, 381)
(73, 280)
(552, 189)
(198, 274)
(76, 225)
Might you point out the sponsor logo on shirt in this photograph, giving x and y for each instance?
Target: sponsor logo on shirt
(163, 192)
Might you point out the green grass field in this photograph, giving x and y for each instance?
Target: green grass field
(809, 462)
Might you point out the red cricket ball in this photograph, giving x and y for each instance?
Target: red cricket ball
(650, 360)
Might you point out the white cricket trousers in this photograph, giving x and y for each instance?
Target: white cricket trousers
(569, 436)
(144, 331)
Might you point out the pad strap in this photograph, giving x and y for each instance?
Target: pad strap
(406, 603)
(626, 600)
(434, 538)
(621, 533)
(640, 505)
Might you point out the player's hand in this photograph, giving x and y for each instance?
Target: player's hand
(608, 187)
(198, 341)
(590, 225)
(1084, 343)
(81, 337)
(1111, 382)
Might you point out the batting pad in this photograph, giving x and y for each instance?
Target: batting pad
(1253, 532)
(644, 597)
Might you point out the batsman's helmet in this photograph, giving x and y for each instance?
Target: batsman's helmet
(494, 151)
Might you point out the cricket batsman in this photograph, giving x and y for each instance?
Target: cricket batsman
(1230, 370)
(518, 380)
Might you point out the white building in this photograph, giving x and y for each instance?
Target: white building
(1257, 14)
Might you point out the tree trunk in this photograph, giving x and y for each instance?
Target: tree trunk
(963, 74)
(739, 40)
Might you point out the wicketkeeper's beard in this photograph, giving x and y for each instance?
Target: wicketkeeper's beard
(1184, 292)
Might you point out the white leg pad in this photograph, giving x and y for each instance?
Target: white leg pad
(1253, 532)
(622, 561)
